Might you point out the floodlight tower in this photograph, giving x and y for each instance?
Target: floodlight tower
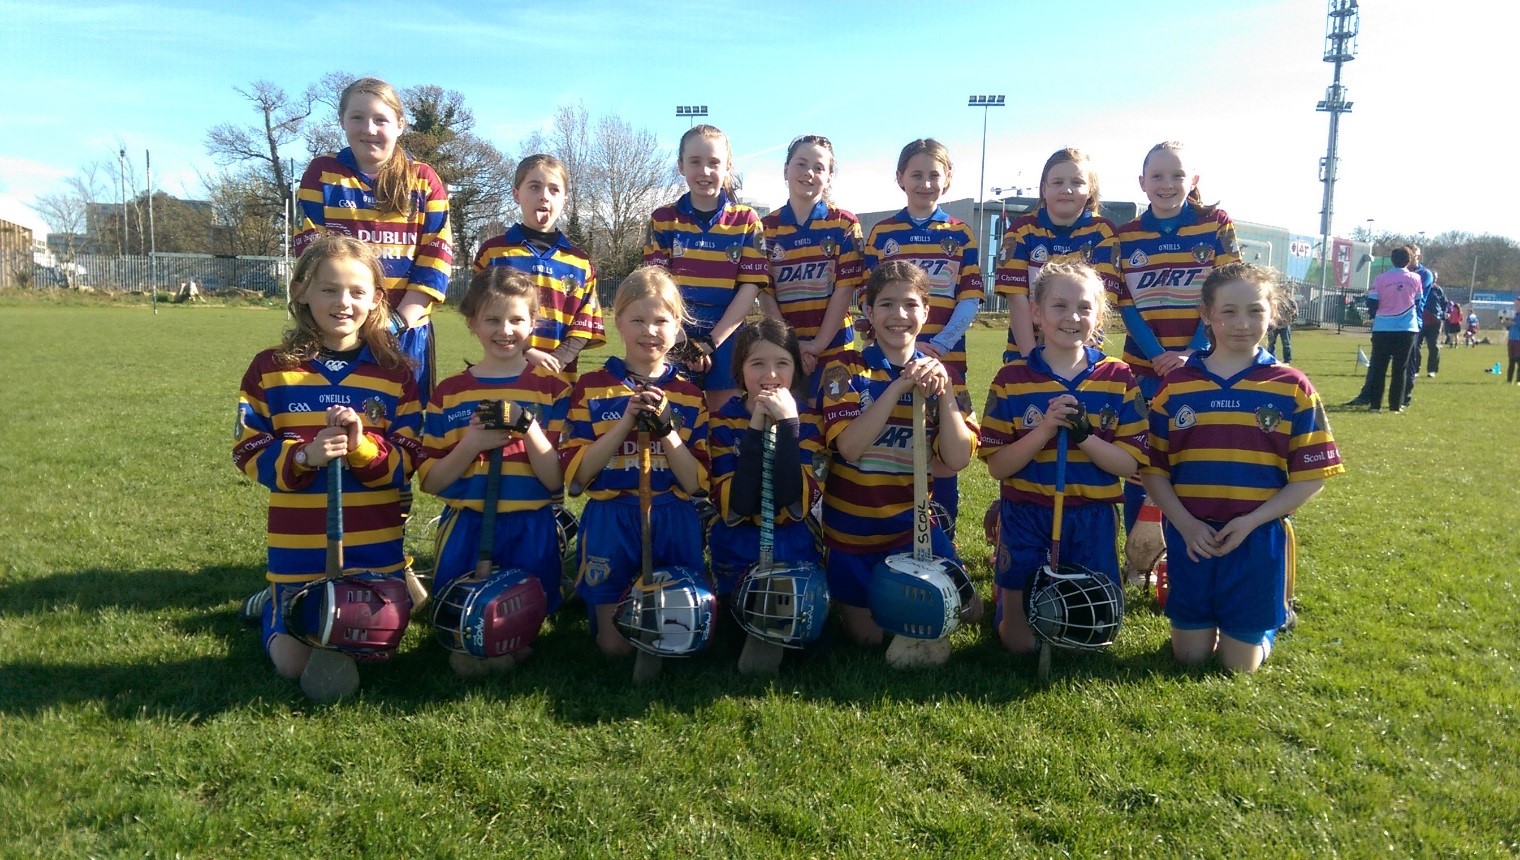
(1341, 25)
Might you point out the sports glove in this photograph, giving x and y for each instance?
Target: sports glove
(660, 421)
(1080, 428)
(693, 349)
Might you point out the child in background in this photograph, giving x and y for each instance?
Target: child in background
(1470, 334)
(714, 248)
(336, 387)
(1453, 323)
(569, 314)
(1063, 384)
(767, 359)
(1163, 257)
(1237, 443)
(601, 455)
(499, 308)
(868, 427)
(1512, 343)
(945, 249)
(815, 261)
(1066, 226)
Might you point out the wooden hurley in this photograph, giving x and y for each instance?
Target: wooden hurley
(646, 666)
(1054, 564)
(330, 675)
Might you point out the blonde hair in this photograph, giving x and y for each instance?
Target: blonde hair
(303, 340)
(711, 132)
(650, 282)
(1072, 155)
(1074, 271)
(925, 146)
(1279, 300)
(393, 185)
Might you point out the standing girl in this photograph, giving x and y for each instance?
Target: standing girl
(868, 428)
(1066, 225)
(1237, 443)
(1163, 258)
(601, 456)
(945, 249)
(336, 387)
(815, 261)
(1063, 384)
(569, 315)
(499, 308)
(373, 191)
(767, 362)
(714, 248)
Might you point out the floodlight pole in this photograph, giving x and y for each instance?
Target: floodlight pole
(691, 112)
(983, 102)
(121, 181)
(1340, 48)
(152, 235)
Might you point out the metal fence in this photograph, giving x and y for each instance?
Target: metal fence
(137, 274)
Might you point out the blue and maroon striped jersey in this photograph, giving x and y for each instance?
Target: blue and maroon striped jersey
(728, 426)
(1227, 445)
(945, 248)
(1034, 240)
(808, 263)
(708, 259)
(567, 300)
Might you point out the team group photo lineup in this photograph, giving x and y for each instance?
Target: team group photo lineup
(772, 442)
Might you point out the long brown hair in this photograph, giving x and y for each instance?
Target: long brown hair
(302, 342)
(393, 187)
(712, 132)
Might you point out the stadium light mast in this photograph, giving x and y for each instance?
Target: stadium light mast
(1341, 24)
(121, 177)
(691, 112)
(985, 103)
(152, 236)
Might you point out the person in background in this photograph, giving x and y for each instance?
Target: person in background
(1431, 321)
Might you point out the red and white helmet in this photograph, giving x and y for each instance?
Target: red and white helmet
(363, 615)
(491, 617)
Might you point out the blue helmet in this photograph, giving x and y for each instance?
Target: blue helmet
(669, 613)
(786, 604)
(490, 617)
(918, 599)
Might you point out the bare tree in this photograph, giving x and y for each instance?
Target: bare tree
(569, 140)
(282, 118)
(630, 177)
(324, 134)
(66, 212)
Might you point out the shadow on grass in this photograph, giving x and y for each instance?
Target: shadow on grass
(565, 674)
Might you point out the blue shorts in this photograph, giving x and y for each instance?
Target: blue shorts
(1088, 539)
(850, 573)
(274, 616)
(1243, 594)
(735, 549)
(524, 539)
(610, 550)
(417, 344)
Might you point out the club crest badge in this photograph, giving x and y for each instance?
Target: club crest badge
(836, 380)
(866, 400)
(1267, 417)
(596, 570)
(734, 253)
(571, 285)
(829, 247)
(778, 254)
(374, 410)
(1138, 259)
(1203, 254)
(963, 402)
(950, 246)
(891, 248)
(677, 248)
(1185, 418)
(1107, 418)
(1032, 417)
(1040, 254)
(760, 244)
(1085, 253)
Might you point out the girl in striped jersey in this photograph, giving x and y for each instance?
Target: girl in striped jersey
(767, 362)
(373, 191)
(815, 261)
(1237, 443)
(601, 453)
(868, 427)
(499, 308)
(1163, 257)
(714, 248)
(1063, 384)
(1065, 226)
(945, 248)
(336, 387)
(569, 315)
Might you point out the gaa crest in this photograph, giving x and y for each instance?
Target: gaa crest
(1203, 254)
(374, 410)
(1040, 254)
(1138, 259)
(677, 247)
(829, 247)
(1107, 418)
(1267, 417)
(1185, 418)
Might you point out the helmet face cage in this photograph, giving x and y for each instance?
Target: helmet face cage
(785, 605)
(568, 528)
(669, 615)
(490, 617)
(362, 614)
(1074, 608)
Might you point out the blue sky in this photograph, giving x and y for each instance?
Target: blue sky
(1236, 81)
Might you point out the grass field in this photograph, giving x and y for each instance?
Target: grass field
(138, 717)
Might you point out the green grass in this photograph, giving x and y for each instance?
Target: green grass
(138, 717)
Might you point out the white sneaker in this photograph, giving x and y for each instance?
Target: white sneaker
(1431, 374)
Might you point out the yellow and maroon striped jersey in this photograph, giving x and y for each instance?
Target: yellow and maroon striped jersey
(1034, 240)
(808, 263)
(567, 301)
(600, 398)
(708, 259)
(416, 246)
(728, 426)
(1228, 445)
(945, 248)
(282, 409)
(1162, 267)
(868, 504)
(539, 391)
(1016, 402)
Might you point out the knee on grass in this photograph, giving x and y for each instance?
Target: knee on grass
(860, 626)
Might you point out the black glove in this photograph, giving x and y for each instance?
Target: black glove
(503, 415)
(1080, 428)
(693, 349)
(659, 422)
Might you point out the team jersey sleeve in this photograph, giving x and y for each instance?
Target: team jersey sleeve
(1130, 433)
(1229, 245)
(754, 267)
(390, 453)
(967, 413)
(969, 287)
(997, 427)
(312, 208)
(1312, 452)
(1159, 461)
(440, 435)
(435, 240)
(257, 450)
(657, 243)
(579, 433)
(850, 274)
(1012, 273)
(1105, 256)
(588, 322)
(870, 253)
(841, 400)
